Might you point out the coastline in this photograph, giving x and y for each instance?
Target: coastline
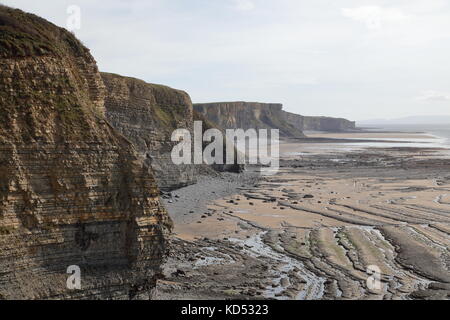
(310, 231)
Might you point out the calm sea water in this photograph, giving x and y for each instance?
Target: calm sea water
(425, 136)
(440, 138)
(441, 132)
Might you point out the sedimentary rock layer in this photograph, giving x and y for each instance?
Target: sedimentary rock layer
(224, 167)
(72, 190)
(318, 230)
(318, 123)
(147, 114)
(248, 115)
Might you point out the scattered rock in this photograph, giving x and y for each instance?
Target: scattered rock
(284, 282)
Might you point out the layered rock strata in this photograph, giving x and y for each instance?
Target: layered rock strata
(248, 115)
(147, 114)
(73, 191)
(309, 123)
(253, 115)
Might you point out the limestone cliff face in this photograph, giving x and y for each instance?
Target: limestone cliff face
(248, 115)
(234, 167)
(318, 123)
(72, 190)
(147, 114)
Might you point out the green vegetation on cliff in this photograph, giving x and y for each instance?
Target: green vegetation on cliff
(73, 191)
(67, 86)
(23, 34)
(248, 115)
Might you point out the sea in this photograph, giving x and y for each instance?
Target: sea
(439, 132)
(437, 136)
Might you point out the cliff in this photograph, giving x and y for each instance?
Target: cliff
(236, 168)
(248, 115)
(72, 189)
(147, 114)
(306, 123)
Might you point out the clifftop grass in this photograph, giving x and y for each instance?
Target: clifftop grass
(23, 35)
(39, 102)
(167, 105)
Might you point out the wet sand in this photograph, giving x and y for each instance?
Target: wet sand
(312, 230)
(370, 135)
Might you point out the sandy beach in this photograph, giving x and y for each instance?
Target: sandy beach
(312, 230)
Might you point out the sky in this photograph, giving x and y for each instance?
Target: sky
(355, 59)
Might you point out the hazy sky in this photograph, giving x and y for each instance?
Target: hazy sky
(352, 58)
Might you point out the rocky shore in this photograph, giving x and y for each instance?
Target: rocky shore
(312, 231)
(87, 181)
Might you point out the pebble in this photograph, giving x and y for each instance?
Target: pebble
(284, 282)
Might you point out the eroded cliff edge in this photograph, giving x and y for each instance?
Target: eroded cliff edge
(311, 123)
(73, 191)
(248, 115)
(147, 114)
